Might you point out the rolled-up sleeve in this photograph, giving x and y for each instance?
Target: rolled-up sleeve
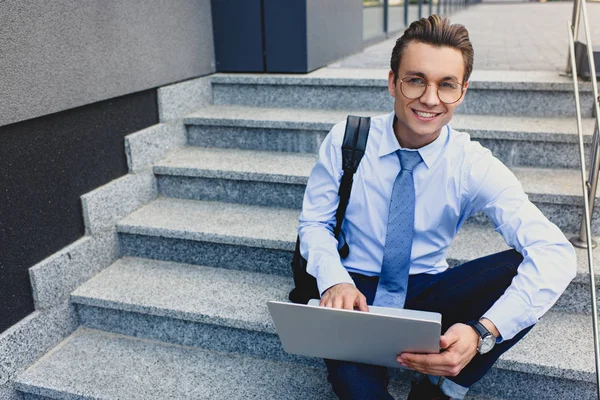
(549, 262)
(317, 220)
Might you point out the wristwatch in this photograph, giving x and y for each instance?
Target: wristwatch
(486, 339)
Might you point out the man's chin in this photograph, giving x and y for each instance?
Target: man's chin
(427, 133)
(418, 140)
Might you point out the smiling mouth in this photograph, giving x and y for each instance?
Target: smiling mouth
(425, 115)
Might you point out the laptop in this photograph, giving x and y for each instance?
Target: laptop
(374, 337)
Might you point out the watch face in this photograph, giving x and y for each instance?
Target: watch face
(487, 343)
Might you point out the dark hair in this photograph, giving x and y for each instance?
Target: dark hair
(436, 31)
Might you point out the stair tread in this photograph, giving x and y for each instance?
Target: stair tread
(276, 228)
(480, 126)
(238, 299)
(238, 164)
(226, 223)
(111, 366)
(543, 184)
(232, 298)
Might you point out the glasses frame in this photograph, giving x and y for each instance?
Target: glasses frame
(462, 89)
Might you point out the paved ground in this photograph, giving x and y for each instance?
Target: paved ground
(505, 36)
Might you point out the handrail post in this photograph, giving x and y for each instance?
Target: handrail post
(575, 27)
(386, 7)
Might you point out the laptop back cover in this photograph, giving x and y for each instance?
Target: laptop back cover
(371, 338)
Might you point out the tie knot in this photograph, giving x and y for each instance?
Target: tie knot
(409, 159)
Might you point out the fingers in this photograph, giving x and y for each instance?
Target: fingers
(451, 336)
(444, 364)
(447, 340)
(344, 296)
(338, 302)
(362, 303)
(460, 344)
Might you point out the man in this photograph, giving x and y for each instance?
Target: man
(417, 183)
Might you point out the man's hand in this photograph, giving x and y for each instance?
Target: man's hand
(460, 342)
(344, 295)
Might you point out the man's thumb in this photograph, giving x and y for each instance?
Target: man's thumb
(447, 340)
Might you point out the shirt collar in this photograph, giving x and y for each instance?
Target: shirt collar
(429, 153)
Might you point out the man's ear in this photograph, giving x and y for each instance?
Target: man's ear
(391, 83)
(465, 86)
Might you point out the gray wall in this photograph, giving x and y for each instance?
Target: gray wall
(334, 29)
(60, 54)
(373, 22)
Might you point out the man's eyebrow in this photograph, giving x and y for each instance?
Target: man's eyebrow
(450, 78)
(416, 73)
(422, 75)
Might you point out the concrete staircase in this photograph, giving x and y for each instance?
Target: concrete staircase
(182, 315)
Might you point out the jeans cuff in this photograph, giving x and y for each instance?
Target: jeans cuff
(454, 390)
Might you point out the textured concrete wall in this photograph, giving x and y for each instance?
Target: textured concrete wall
(334, 30)
(60, 54)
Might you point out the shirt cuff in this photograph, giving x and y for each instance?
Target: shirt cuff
(505, 315)
(330, 276)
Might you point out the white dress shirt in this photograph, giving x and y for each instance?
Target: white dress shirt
(457, 178)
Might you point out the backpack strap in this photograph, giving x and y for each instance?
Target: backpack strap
(353, 149)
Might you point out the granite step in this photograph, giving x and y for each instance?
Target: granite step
(517, 141)
(225, 311)
(514, 93)
(117, 367)
(262, 239)
(99, 365)
(279, 179)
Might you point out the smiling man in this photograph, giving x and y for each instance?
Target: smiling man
(417, 183)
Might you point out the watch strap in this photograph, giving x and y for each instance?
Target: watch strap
(479, 328)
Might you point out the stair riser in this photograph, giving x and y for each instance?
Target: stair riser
(254, 259)
(512, 152)
(29, 396)
(232, 191)
(189, 333)
(270, 261)
(562, 210)
(372, 98)
(268, 139)
(521, 153)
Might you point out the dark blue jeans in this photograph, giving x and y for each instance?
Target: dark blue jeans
(460, 294)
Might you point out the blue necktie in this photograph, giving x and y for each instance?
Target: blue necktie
(393, 281)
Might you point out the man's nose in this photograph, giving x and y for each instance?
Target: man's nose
(430, 96)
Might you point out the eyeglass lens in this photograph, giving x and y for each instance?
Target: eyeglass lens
(413, 88)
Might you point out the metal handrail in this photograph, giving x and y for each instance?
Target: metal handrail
(580, 7)
(587, 216)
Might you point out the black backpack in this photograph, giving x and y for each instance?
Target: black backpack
(353, 149)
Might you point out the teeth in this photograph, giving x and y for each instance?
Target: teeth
(424, 114)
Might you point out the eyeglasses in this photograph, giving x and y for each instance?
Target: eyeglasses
(413, 87)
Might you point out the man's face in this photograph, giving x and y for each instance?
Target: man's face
(420, 120)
